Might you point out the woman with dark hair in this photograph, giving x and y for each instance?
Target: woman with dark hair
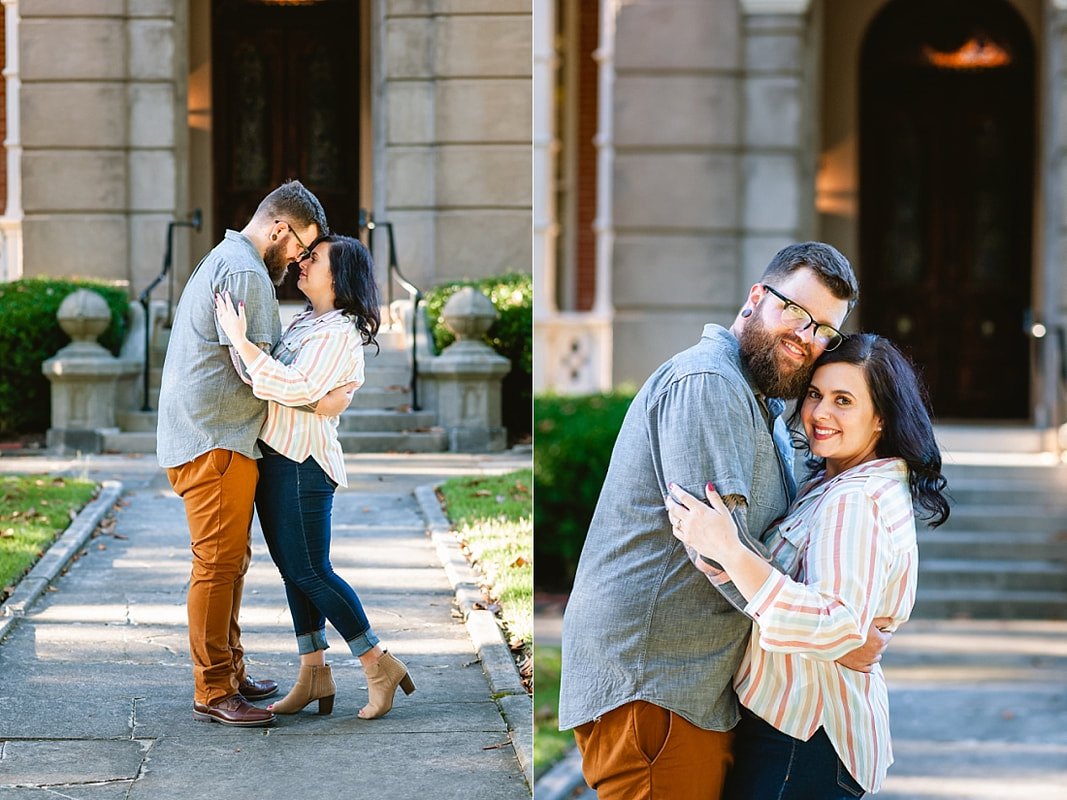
(303, 464)
(844, 555)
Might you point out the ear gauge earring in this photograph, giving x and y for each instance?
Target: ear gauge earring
(274, 237)
(746, 313)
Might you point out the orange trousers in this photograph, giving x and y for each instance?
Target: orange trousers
(219, 490)
(640, 751)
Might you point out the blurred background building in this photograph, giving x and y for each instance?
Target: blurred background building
(679, 144)
(123, 115)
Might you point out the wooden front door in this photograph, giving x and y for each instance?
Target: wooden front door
(286, 105)
(946, 166)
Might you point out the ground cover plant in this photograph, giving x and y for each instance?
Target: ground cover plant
(34, 510)
(492, 516)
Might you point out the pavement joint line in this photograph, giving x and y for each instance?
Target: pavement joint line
(514, 704)
(58, 556)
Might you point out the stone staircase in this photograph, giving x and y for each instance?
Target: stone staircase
(1003, 552)
(379, 420)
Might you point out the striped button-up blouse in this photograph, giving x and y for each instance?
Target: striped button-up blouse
(849, 554)
(314, 356)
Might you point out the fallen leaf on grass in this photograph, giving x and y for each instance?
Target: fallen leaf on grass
(8, 533)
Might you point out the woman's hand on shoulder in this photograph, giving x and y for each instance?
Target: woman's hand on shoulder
(232, 320)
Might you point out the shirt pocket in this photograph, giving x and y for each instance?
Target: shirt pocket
(788, 555)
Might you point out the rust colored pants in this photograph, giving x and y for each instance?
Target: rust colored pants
(218, 488)
(640, 751)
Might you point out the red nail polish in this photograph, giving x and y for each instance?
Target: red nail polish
(711, 486)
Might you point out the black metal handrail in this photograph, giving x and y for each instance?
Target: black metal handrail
(146, 295)
(368, 222)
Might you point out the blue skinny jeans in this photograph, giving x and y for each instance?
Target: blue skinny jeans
(771, 765)
(294, 502)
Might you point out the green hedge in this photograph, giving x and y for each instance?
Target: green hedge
(573, 439)
(30, 335)
(511, 336)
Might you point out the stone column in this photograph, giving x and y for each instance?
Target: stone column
(777, 131)
(468, 376)
(453, 172)
(84, 377)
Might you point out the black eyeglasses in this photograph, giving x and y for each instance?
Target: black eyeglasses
(304, 251)
(800, 319)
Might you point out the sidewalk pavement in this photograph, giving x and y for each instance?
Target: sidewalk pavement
(978, 711)
(96, 683)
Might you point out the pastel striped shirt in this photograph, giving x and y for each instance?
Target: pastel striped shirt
(849, 554)
(314, 356)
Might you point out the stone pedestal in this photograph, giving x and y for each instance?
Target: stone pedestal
(84, 377)
(468, 376)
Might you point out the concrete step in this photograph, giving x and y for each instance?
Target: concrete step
(947, 544)
(431, 441)
(989, 574)
(382, 399)
(1037, 517)
(377, 421)
(989, 604)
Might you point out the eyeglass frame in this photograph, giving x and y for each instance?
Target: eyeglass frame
(305, 251)
(811, 321)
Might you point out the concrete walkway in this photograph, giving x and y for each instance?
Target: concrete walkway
(96, 684)
(978, 711)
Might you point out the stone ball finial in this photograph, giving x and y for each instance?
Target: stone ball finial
(469, 314)
(84, 315)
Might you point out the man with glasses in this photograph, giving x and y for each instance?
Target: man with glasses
(209, 422)
(649, 646)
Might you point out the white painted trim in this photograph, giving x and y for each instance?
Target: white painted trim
(11, 222)
(780, 6)
(604, 225)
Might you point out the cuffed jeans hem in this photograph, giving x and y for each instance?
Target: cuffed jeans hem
(311, 642)
(363, 643)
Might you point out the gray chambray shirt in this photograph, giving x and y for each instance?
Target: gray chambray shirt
(203, 403)
(642, 623)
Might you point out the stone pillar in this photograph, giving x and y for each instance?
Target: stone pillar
(468, 376)
(777, 131)
(84, 377)
(453, 167)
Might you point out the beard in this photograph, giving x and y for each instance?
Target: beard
(276, 262)
(761, 353)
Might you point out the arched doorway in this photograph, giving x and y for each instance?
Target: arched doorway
(286, 105)
(946, 177)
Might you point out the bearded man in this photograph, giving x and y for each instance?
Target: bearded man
(649, 646)
(209, 422)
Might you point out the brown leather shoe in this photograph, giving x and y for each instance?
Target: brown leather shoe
(252, 689)
(234, 710)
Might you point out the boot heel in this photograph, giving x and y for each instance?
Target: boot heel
(407, 684)
(326, 704)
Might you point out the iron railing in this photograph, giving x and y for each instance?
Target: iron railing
(146, 295)
(367, 221)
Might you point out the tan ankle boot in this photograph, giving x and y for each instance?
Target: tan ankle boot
(382, 680)
(314, 683)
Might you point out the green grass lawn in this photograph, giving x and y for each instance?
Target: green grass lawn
(492, 516)
(550, 743)
(34, 510)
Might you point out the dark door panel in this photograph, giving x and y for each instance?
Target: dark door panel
(286, 105)
(946, 166)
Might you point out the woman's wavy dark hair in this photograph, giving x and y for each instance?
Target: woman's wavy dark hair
(900, 400)
(354, 288)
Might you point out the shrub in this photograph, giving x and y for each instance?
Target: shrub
(573, 439)
(511, 336)
(30, 335)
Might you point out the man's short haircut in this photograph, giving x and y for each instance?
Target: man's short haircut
(293, 203)
(833, 269)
